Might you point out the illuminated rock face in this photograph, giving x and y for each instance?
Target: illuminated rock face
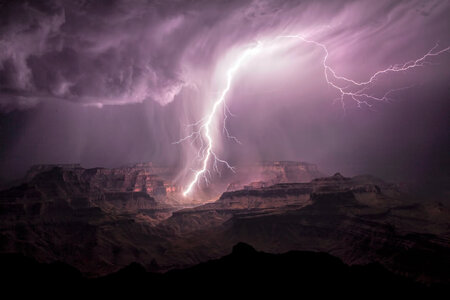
(290, 171)
(152, 184)
(268, 173)
(104, 187)
(119, 190)
(142, 177)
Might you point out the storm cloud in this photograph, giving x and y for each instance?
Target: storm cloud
(119, 52)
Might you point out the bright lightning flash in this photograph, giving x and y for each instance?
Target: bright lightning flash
(207, 151)
(347, 89)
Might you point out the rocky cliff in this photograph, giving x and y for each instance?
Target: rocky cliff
(268, 173)
(360, 220)
(100, 220)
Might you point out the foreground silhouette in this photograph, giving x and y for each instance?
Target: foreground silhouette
(245, 270)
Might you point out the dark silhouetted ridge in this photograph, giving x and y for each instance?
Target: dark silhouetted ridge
(243, 249)
(245, 270)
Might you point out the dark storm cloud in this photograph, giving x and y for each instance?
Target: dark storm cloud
(105, 52)
(119, 52)
(91, 51)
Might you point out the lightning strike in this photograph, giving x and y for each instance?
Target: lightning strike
(206, 152)
(347, 88)
(360, 96)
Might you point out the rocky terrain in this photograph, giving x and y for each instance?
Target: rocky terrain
(100, 220)
(268, 173)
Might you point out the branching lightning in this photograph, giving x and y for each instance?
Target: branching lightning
(206, 150)
(347, 88)
(360, 96)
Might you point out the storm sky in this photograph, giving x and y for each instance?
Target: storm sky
(107, 83)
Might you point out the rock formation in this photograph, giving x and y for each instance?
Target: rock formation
(268, 173)
(100, 220)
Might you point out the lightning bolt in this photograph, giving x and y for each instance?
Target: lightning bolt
(360, 96)
(358, 91)
(206, 151)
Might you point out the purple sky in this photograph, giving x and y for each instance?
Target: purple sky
(106, 85)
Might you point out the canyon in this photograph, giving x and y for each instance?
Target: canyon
(101, 220)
